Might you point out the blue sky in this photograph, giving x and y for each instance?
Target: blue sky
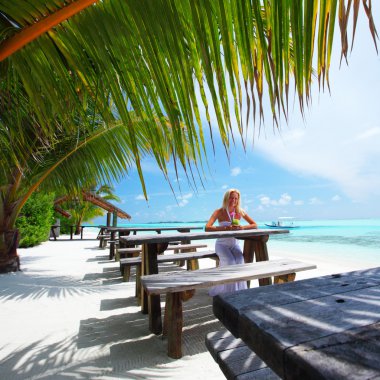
(323, 166)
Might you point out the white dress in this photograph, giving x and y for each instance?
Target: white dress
(229, 253)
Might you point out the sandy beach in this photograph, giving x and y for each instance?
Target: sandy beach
(68, 314)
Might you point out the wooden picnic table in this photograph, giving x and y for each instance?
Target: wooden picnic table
(152, 245)
(125, 231)
(148, 229)
(72, 227)
(321, 328)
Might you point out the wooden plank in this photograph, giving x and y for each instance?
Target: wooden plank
(222, 340)
(311, 329)
(203, 278)
(186, 246)
(348, 355)
(235, 359)
(229, 308)
(130, 250)
(172, 257)
(168, 237)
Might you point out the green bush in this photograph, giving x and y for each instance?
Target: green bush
(35, 219)
(66, 223)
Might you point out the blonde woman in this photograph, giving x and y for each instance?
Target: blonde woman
(229, 217)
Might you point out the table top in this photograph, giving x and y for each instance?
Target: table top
(325, 327)
(168, 237)
(131, 229)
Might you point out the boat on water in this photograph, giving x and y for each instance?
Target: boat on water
(284, 222)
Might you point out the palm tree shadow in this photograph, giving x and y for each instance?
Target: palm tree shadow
(23, 286)
(108, 276)
(132, 346)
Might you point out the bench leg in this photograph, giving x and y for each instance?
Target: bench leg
(173, 324)
(192, 264)
(261, 252)
(284, 278)
(126, 273)
(180, 263)
(138, 283)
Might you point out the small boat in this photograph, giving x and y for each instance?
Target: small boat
(283, 222)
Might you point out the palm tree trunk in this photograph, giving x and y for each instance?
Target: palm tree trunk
(9, 259)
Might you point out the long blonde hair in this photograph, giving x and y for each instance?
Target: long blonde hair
(226, 198)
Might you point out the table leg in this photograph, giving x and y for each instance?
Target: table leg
(151, 304)
(81, 232)
(71, 232)
(112, 245)
(257, 246)
(52, 229)
(249, 250)
(261, 252)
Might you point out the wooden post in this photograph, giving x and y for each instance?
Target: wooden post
(108, 219)
(261, 252)
(150, 266)
(174, 321)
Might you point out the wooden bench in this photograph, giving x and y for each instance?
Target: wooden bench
(127, 253)
(103, 238)
(191, 259)
(122, 253)
(235, 359)
(181, 286)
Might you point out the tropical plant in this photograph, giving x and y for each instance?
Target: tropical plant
(82, 210)
(35, 219)
(68, 78)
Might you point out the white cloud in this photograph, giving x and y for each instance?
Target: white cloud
(183, 203)
(140, 197)
(284, 200)
(298, 203)
(186, 196)
(339, 137)
(235, 171)
(183, 200)
(225, 187)
(264, 200)
(336, 198)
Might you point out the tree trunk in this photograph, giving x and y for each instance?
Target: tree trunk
(9, 259)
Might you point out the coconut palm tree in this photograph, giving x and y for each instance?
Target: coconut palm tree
(82, 210)
(32, 159)
(168, 61)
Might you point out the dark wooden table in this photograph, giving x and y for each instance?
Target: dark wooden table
(321, 328)
(134, 230)
(82, 227)
(126, 231)
(152, 245)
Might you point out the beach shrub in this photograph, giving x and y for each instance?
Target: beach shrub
(35, 219)
(65, 224)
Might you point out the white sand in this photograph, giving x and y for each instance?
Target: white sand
(68, 315)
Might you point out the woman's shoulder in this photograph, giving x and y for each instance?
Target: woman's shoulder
(218, 211)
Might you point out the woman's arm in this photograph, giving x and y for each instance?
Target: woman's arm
(209, 225)
(251, 223)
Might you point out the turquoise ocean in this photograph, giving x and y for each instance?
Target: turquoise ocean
(349, 239)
